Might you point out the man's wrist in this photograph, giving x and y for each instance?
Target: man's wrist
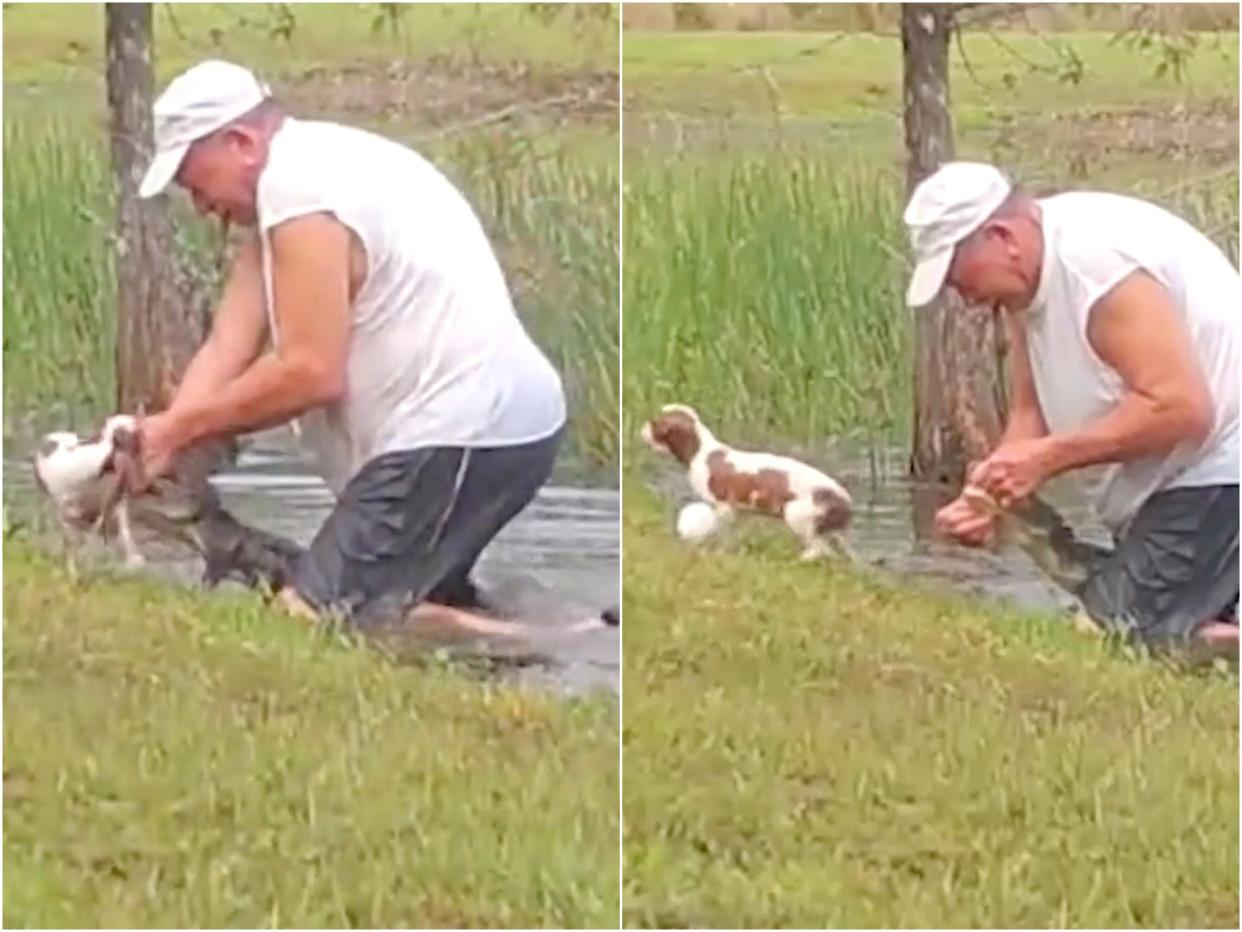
(188, 424)
(1062, 453)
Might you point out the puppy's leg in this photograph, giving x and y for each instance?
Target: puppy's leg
(130, 481)
(67, 545)
(837, 542)
(133, 559)
(815, 550)
(801, 517)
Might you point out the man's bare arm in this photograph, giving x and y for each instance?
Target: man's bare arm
(1026, 417)
(310, 280)
(1137, 330)
(238, 331)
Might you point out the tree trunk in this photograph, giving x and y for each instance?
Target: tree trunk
(956, 413)
(956, 417)
(157, 327)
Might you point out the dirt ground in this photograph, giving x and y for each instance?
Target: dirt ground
(1205, 135)
(440, 94)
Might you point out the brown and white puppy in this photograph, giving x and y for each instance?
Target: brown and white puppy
(815, 506)
(89, 481)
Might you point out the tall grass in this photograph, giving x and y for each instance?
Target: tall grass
(59, 279)
(554, 219)
(767, 289)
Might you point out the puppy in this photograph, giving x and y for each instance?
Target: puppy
(815, 506)
(89, 481)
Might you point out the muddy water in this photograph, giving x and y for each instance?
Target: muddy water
(883, 533)
(555, 564)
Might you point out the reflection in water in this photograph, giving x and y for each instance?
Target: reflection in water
(555, 564)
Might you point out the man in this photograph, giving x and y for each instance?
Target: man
(1124, 323)
(365, 305)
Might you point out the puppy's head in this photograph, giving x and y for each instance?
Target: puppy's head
(67, 466)
(675, 431)
(120, 432)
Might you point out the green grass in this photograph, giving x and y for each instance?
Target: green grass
(857, 78)
(49, 42)
(547, 190)
(807, 747)
(175, 762)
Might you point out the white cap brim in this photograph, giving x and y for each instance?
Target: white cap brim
(928, 278)
(162, 170)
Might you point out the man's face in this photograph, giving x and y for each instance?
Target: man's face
(995, 266)
(220, 172)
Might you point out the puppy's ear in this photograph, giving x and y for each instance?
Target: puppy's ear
(127, 441)
(128, 453)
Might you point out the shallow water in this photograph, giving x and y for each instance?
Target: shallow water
(555, 564)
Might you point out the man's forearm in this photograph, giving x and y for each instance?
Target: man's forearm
(1135, 428)
(270, 392)
(205, 377)
(1024, 424)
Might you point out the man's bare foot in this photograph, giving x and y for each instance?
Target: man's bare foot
(1085, 624)
(288, 599)
(1219, 632)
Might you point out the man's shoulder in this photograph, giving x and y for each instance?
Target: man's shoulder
(1093, 203)
(297, 135)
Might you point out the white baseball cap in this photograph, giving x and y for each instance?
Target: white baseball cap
(196, 103)
(946, 207)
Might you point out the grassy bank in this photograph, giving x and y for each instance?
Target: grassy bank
(765, 260)
(468, 87)
(807, 748)
(175, 763)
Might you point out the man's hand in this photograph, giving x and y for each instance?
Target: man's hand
(965, 522)
(161, 440)
(1015, 470)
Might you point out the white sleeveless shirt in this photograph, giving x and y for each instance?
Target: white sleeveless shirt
(1091, 242)
(437, 355)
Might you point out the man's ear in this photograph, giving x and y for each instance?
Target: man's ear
(1002, 233)
(242, 138)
